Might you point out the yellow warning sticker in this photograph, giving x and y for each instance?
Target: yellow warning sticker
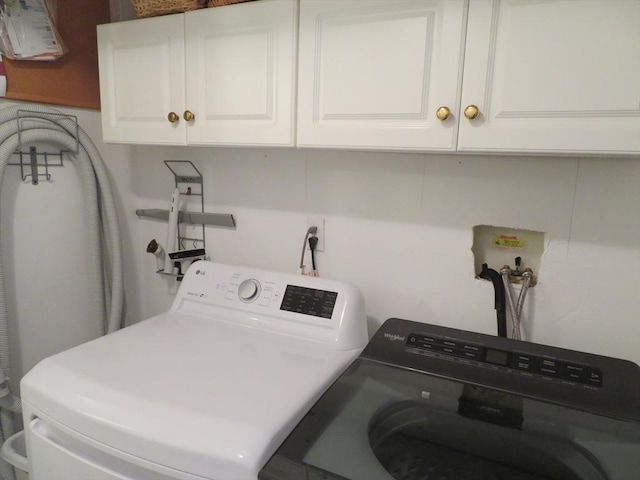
(508, 241)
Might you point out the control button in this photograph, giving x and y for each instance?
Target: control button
(249, 290)
(549, 363)
(439, 348)
(265, 298)
(471, 348)
(523, 358)
(474, 355)
(593, 376)
(574, 368)
(574, 373)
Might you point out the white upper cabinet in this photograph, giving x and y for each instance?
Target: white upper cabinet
(552, 76)
(540, 76)
(530, 76)
(372, 73)
(142, 80)
(218, 76)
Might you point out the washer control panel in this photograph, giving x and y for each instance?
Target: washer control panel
(594, 383)
(309, 301)
(509, 361)
(298, 299)
(297, 305)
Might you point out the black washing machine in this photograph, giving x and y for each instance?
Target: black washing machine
(433, 403)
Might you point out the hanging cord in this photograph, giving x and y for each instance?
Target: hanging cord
(313, 243)
(501, 314)
(310, 231)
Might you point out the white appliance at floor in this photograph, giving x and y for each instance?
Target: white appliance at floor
(207, 390)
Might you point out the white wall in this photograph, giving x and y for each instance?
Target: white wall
(399, 226)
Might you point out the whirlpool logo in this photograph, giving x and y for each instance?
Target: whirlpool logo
(394, 337)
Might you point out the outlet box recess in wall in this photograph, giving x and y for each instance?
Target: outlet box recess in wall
(499, 246)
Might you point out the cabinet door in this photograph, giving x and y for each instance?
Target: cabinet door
(142, 80)
(372, 74)
(241, 73)
(552, 76)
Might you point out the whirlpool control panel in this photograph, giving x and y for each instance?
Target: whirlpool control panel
(510, 361)
(595, 383)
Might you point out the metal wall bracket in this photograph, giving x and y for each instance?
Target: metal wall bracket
(32, 162)
(191, 218)
(189, 182)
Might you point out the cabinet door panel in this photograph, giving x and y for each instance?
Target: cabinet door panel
(556, 75)
(142, 80)
(373, 73)
(240, 81)
(248, 61)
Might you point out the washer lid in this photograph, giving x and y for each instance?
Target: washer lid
(187, 393)
(383, 422)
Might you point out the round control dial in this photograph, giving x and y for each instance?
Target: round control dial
(249, 290)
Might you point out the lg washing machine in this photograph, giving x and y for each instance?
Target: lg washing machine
(207, 390)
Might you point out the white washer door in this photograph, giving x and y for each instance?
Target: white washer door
(59, 455)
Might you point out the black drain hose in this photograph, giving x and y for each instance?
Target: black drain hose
(500, 304)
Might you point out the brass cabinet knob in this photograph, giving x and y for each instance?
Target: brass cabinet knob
(173, 117)
(471, 112)
(188, 115)
(443, 113)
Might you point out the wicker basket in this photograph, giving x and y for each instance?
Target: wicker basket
(152, 8)
(221, 3)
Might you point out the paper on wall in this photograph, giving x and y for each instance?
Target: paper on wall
(27, 31)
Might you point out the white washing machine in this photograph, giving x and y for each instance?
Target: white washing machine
(207, 390)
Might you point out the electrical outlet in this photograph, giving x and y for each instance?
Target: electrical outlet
(317, 222)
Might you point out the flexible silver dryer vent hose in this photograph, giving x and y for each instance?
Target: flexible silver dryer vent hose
(40, 124)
